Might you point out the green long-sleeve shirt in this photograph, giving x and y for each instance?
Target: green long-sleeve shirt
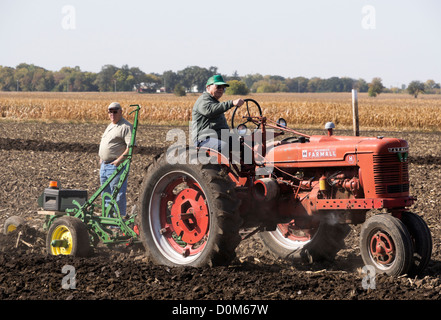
(208, 117)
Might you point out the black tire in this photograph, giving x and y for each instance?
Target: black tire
(322, 246)
(216, 224)
(13, 223)
(422, 242)
(385, 244)
(75, 234)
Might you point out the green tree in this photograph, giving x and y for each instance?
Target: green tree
(33, 78)
(347, 84)
(250, 79)
(179, 90)
(298, 84)
(153, 80)
(263, 86)
(415, 87)
(375, 87)
(23, 74)
(127, 79)
(269, 84)
(105, 78)
(68, 79)
(196, 77)
(234, 76)
(333, 84)
(170, 79)
(89, 81)
(120, 79)
(430, 86)
(361, 85)
(41, 80)
(237, 88)
(315, 85)
(7, 81)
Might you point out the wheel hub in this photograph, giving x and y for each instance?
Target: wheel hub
(382, 248)
(189, 216)
(61, 241)
(294, 233)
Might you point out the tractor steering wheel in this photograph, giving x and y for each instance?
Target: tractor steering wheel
(246, 113)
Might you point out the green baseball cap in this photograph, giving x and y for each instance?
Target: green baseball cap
(217, 79)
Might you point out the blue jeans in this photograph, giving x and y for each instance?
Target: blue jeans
(106, 170)
(212, 143)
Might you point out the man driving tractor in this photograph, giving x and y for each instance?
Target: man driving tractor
(208, 119)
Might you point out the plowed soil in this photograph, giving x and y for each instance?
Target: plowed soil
(33, 153)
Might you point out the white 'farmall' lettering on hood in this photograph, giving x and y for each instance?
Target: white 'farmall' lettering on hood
(319, 153)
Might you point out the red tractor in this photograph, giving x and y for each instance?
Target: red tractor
(299, 194)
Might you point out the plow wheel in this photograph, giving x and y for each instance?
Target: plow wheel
(311, 245)
(12, 223)
(386, 244)
(188, 214)
(68, 236)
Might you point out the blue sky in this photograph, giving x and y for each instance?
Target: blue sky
(399, 41)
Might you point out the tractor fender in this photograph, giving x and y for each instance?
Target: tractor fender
(181, 154)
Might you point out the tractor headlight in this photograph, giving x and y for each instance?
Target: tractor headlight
(242, 129)
(281, 123)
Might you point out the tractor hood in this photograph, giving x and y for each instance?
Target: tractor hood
(334, 150)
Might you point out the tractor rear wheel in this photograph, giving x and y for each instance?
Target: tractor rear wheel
(385, 243)
(188, 214)
(312, 245)
(68, 236)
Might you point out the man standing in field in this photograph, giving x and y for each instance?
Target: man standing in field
(114, 147)
(208, 119)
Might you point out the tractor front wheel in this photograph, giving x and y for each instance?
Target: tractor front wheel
(421, 239)
(385, 243)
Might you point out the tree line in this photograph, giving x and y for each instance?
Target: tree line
(28, 77)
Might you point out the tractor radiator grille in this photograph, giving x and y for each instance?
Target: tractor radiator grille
(390, 175)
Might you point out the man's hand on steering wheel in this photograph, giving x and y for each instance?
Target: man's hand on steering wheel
(238, 102)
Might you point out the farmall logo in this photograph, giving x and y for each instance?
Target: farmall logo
(319, 153)
(399, 149)
(402, 153)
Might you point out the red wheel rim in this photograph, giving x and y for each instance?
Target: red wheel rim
(292, 237)
(382, 248)
(289, 231)
(184, 217)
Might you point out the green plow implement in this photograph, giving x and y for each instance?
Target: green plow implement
(108, 227)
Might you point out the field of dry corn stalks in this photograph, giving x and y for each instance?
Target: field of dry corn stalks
(301, 110)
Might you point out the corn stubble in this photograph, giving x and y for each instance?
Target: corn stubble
(301, 110)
